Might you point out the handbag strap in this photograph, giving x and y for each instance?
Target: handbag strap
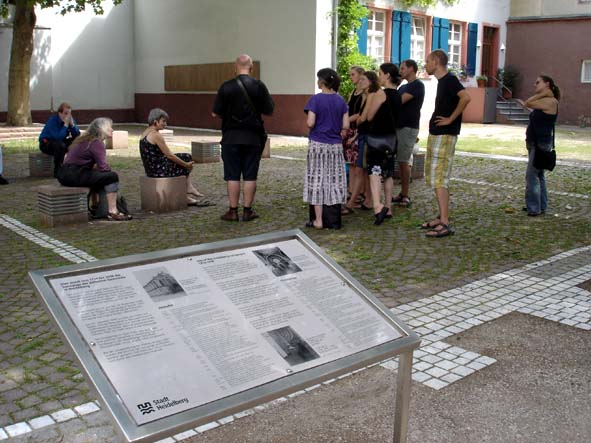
(245, 92)
(389, 110)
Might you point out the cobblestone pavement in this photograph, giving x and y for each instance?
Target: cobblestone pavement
(499, 261)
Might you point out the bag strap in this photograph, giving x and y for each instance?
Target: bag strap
(554, 128)
(245, 92)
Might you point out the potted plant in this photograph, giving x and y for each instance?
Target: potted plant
(482, 80)
(510, 77)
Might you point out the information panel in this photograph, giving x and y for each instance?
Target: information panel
(174, 334)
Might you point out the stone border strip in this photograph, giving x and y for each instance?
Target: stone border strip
(438, 364)
(60, 248)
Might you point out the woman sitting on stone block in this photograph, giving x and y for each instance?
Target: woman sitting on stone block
(160, 161)
(86, 166)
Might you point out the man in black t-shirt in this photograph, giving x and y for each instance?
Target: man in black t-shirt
(242, 134)
(412, 94)
(444, 127)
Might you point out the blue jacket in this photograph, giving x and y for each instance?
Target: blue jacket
(55, 130)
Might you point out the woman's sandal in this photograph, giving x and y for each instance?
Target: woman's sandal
(118, 217)
(312, 225)
(345, 210)
(440, 231)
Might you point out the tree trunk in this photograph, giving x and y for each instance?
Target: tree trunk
(19, 106)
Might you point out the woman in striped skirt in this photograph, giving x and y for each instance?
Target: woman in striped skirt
(328, 119)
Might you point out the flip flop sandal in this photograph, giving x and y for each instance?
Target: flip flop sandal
(346, 211)
(204, 202)
(430, 224)
(398, 198)
(405, 202)
(438, 233)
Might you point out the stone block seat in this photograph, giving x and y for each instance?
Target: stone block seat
(120, 140)
(167, 135)
(40, 165)
(60, 205)
(417, 169)
(205, 151)
(163, 194)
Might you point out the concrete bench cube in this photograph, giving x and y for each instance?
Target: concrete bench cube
(167, 135)
(206, 152)
(163, 194)
(61, 205)
(120, 140)
(417, 169)
(40, 165)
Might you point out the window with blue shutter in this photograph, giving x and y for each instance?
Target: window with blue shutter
(362, 37)
(472, 39)
(440, 34)
(401, 28)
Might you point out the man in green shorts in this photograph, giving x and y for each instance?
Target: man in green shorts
(444, 127)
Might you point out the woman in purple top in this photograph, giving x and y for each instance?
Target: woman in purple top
(86, 165)
(328, 119)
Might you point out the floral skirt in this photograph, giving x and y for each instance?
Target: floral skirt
(326, 181)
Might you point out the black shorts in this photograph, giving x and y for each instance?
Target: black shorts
(241, 160)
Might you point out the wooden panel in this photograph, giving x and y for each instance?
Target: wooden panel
(205, 77)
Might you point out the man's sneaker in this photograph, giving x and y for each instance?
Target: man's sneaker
(231, 215)
(249, 215)
(3, 181)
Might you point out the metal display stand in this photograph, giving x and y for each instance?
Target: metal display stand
(403, 346)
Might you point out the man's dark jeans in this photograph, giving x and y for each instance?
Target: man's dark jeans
(57, 149)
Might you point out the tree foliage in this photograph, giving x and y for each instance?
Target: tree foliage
(64, 6)
(350, 14)
(19, 107)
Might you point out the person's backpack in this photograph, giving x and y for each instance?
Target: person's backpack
(102, 209)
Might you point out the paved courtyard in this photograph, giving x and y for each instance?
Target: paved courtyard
(503, 307)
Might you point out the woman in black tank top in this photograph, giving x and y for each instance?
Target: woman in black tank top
(382, 113)
(540, 135)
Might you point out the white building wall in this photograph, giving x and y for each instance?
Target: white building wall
(279, 33)
(80, 58)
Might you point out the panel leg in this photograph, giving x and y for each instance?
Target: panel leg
(403, 397)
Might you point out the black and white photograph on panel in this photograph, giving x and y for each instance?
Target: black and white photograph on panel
(159, 284)
(276, 260)
(290, 345)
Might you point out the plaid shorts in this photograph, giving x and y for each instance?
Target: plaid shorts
(440, 154)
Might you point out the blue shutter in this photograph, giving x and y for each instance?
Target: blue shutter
(472, 39)
(444, 34)
(362, 37)
(435, 35)
(400, 36)
(405, 30)
(396, 25)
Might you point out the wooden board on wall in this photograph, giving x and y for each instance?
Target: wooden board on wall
(204, 77)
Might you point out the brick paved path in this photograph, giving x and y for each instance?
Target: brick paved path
(395, 261)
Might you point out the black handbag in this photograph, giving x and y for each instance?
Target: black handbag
(387, 143)
(382, 143)
(544, 159)
(331, 216)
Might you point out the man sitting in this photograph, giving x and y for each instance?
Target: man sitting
(58, 133)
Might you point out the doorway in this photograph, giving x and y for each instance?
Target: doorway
(489, 62)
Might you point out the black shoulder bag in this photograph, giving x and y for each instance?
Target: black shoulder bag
(261, 130)
(384, 143)
(546, 159)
